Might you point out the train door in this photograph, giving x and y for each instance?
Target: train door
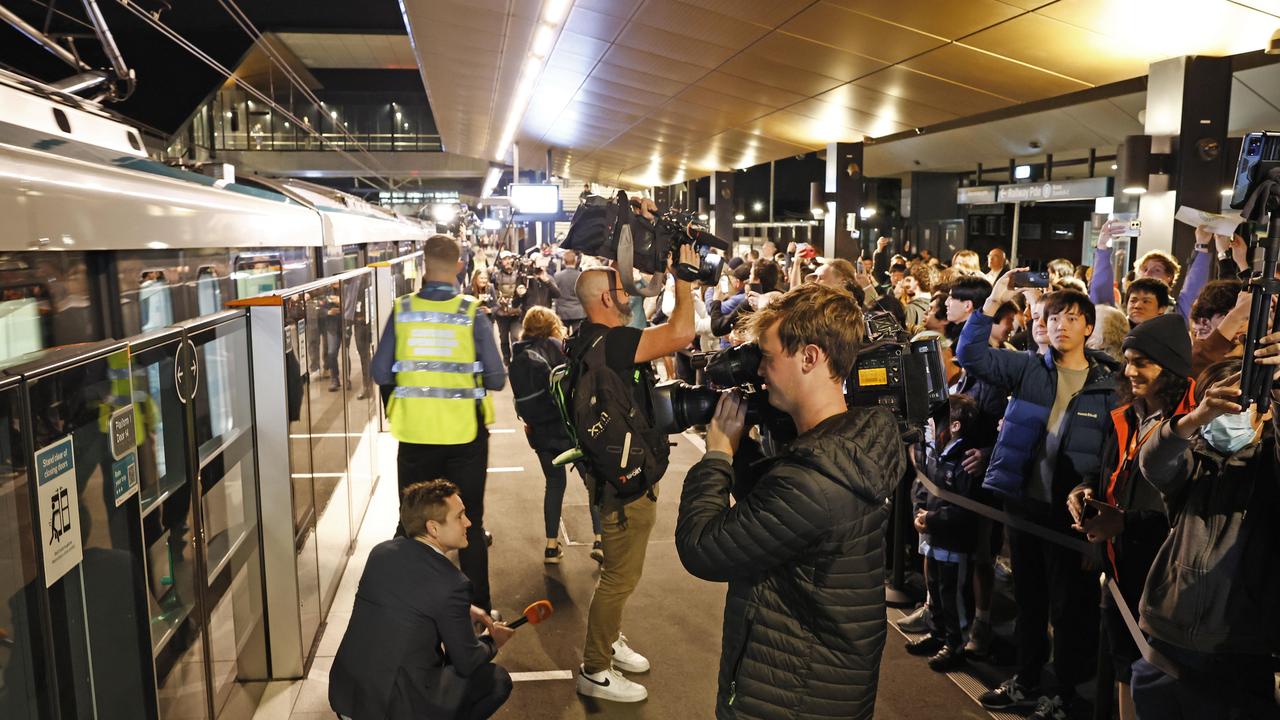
(257, 274)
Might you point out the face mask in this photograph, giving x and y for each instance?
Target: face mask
(1228, 434)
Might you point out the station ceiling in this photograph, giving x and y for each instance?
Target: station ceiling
(648, 92)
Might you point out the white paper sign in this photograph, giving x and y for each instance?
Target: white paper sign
(1213, 222)
(59, 509)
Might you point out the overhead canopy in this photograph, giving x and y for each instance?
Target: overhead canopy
(650, 92)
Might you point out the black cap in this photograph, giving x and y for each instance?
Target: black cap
(734, 262)
(1164, 339)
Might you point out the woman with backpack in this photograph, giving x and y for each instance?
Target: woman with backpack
(532, 360)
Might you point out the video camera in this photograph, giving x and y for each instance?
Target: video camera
(616, 229)
(1257, 195)
(906, 377)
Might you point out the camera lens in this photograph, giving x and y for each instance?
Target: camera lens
(1255, 145)
(678, 406)
(735, 366)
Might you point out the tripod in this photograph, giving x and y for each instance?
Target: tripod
(1264, 200)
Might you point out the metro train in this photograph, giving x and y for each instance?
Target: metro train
(99, 241)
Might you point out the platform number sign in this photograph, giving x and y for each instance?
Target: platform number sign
(59, 509)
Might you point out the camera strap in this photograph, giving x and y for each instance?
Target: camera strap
(626, 264)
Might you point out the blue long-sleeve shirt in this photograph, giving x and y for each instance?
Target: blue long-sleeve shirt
(495, 375)
(1104, 280)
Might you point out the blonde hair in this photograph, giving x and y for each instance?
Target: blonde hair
(966, 261)
(1165, 259)
(540, 322)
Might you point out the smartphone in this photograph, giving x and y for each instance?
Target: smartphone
(1029, 278)
(1090, 512)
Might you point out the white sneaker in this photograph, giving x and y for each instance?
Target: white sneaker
(917, 622)
(610, 685)
(626, 659)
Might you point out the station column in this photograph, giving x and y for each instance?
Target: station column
(1188, 99)
(723, 203)
(844, 184)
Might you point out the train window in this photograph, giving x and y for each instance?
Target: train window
(21, 310)
(257, 274)
(60, 117)
(350, 258)
(155, 301)
(208, 291)
(133, 140)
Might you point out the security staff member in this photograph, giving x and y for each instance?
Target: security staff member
(436, 363)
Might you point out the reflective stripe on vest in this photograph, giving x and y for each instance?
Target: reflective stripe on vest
(439, 389)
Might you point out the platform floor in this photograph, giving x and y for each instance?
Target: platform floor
(674, 618)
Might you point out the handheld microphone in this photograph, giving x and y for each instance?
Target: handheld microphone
(535, 613)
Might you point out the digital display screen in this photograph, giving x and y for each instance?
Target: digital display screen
(534, 198)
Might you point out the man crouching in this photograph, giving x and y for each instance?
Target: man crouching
(802, 546)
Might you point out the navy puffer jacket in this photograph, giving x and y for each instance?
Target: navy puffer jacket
(1033, 382)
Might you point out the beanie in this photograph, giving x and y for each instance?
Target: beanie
(734, 262)
(1164, 339)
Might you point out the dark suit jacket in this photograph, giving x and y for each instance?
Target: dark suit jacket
(412, 606)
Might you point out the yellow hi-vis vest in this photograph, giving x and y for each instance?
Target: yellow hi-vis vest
(438, 378)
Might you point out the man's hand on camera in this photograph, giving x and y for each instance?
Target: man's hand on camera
(687, 256)
(726, 426)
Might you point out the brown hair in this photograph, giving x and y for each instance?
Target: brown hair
(815, 315)
(425, 501)
(440, 251)
(843, 269)
(1170, 264)
(540, 322)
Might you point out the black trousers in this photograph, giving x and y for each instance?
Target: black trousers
(487, 689)
(944, 603)
(1051, 586)
(465, 466)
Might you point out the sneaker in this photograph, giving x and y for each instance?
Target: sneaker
(948, 659)
(979, 638)
(1049, 708)
(610, 685)
(597, 552)
(626, 659)
(920, 621)
(553, 554)
(1011, 695)
(925, 646)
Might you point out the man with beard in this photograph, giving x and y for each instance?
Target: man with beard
(626, 527)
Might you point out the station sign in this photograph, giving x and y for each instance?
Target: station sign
(978, 195)
(1081, 189)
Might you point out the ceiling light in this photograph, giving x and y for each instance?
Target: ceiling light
(1113, 166)
(554, 11)
(491, 178)
(543, 39)
(702, 217)
(397, 116)
(739, 217)
(286, 123)
(1226, 191)
(1134, 190)
(333, 113)
(757, 206)
(867, 212)
(1022, 172)
(406, 126)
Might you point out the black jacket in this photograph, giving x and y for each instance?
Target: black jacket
(803, 553)
(1215, 583)
(411, 599)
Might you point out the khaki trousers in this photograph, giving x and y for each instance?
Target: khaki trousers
(625, 538)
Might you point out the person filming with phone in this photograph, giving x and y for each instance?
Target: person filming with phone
(1119, 507)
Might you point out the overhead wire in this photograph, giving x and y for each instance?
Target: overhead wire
(204, 57)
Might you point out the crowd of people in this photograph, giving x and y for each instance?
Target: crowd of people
(1093, 426)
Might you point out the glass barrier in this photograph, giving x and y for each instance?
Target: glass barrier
(23, 689)
(328, 433)
(228, 509)
(91, 533)
(297, 335)
(169, 528)
(359, 390)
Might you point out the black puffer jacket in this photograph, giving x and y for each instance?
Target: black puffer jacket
(802, 551)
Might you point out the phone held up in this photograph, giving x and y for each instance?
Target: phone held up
(1029, 279)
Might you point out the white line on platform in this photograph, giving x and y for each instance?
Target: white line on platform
(506, 469)
(542, 675)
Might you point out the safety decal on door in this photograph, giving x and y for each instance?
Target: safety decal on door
(59, 509)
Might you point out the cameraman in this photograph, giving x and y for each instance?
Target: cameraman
(509, 291)
(628, 352)
(804, 621)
